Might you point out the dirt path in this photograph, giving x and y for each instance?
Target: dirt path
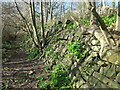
(19, 71)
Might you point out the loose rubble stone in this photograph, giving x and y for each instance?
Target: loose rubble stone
(118, 77)
(85, 86)
(111, 72)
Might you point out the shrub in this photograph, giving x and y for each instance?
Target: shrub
(84, 21)
(33, 53)
(10, 46)
(71, 25)
(49, 48)
(75, 49)
(109, 20)
(59, 79)
(54, 55)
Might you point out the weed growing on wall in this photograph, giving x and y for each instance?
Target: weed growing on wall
(75, 49)
(109, 20)
(84, 21)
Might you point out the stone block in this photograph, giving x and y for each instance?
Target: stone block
(101, 85)
(101, 77)
(85, 86)
(100, 63)
(111, 72)
(106, 81)
(103, 70)
(79, 83)
(118, 77)
(93, 81)
(95, 42)
(113, 84)
(112, 56)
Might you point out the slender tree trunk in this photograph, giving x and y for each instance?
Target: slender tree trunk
(71, 6)
(103, 7)
(92, 16)
(83, 7)
(46, 12)
(103, 1)
(51, 10)
(113, 4)
(42, 24)
(118, 18)
(100, 11)
(35, 32)
(27, 25)
(61, 8)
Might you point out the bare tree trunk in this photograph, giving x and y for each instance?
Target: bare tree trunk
(103, 3)
(118, 18)
(46, 12)
(92, 16)
(42, 24)
(113, 4)
(71, 4)
(35, 32)
(100, 12)
(61, 8)
(103, 7)
(27, 25)
(51, 10)
(83, 7)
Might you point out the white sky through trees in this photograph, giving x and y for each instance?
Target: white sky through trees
(57, 0)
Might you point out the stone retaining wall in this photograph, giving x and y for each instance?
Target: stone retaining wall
(92, 72)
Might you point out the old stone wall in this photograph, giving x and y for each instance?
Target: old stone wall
(88, 72)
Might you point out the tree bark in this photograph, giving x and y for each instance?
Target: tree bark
(100, 11)
(92, 16)
(61, 8)
(35, 32)
(42, 24)
(118, 18)
(103, 3)
(46, 12)
(113, 4)
(27, 25)
(51, 10)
